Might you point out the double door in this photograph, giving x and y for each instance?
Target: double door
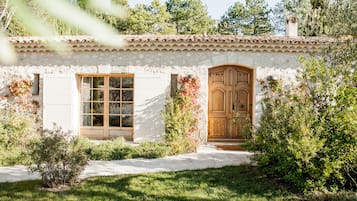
(230, 101)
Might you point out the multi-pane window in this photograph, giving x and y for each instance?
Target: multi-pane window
(92, 94)
(121, 101)
(107, 101)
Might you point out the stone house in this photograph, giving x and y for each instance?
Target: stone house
(102, 92)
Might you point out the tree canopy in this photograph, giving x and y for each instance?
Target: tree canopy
(318, 17)
(189, 16)
(251, 18)
(152, 19)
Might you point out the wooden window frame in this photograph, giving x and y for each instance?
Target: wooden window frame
(107, 131)
(173, 85)
(36, 85)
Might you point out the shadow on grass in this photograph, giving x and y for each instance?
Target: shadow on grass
(228, 183)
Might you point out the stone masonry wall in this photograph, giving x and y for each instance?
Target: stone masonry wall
(153, 68)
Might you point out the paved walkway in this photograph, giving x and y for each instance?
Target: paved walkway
(206, 157)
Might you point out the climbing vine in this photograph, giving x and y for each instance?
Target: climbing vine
(182, 115)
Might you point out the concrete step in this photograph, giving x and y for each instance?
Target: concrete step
(228, 140)
(234, 146)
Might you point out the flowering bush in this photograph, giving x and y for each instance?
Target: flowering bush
(189, 88)
(20, 87)
(20, 95)
(182, 115)
(18, 116)
(58, 157)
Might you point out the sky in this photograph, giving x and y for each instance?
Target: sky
(216, 8)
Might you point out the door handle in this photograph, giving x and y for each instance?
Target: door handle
(233, 107)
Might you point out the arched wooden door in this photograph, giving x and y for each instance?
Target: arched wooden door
(230, 101)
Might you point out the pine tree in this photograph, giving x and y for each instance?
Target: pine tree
(189, 16)
(251, 18)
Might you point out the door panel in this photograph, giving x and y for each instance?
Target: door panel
(230, 101)
(218, 100)
(218, 126)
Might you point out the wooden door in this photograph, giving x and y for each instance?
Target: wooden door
(230, 101)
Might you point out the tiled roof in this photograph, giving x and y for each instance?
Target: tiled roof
(182, 43)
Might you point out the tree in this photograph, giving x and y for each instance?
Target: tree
(232, 22)
(341, 18)
(251, 18)
(317, 17)
(189, 16)
(68, 14)
(153, 19)
(313, 21)
(116, 22)
(286, 8)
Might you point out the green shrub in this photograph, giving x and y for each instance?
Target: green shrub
(181, 117)
(16, 129)
(178, 121)
(58, 157)
(152, 150)
(183, 145)
(85, 144)
(125, 152)
(14, 156)
(15, 126)
(285, 137)
(307, 134)
(107, 150)
(18, 118)
(117, 150)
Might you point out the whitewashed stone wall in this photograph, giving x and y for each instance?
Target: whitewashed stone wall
(152, 79)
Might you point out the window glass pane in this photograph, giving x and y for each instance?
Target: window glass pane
(86, 107)
(98, 108)
(127, 95)
(114, 108)
(127, 108)
(114, 82)
(114, 121)
(98, 82)
(97, 95)
(127, 121)
(87, 82)
(86, 120)
(86, 94)
(128, 82)
(97, 120)
(114, 95)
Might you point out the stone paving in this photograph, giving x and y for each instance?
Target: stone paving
(206, 157)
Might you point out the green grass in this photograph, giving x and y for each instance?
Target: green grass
(228, 183)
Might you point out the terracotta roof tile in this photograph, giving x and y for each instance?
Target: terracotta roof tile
(182, 43)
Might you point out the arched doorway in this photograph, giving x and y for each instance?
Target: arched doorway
(230, 103)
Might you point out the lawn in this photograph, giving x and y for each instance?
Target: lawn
(228, 183)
